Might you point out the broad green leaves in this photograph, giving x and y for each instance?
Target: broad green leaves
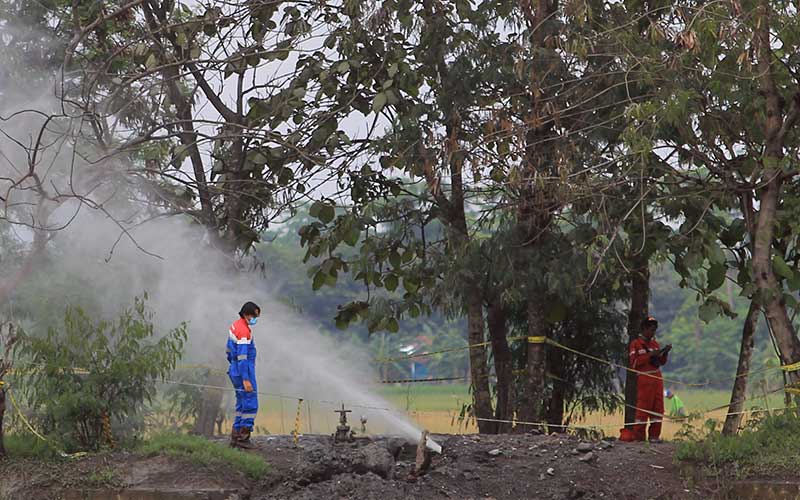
(322, 211)
(781, 268)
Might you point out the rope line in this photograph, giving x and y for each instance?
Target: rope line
(392, 410)
(545, 340)
(792, 389)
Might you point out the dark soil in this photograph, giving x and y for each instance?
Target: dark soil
(470, 467)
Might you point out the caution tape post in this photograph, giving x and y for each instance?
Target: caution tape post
(296, 431)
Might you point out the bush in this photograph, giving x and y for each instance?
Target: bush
(90, 373)
(771, 444)
(201, 451)
(28, 446)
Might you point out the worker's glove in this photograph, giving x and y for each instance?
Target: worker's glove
(248, 387)
(655, 359)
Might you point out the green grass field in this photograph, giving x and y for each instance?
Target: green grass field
(450, 397)
(427, 396)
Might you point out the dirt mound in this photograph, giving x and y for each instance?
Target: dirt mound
(470, 466)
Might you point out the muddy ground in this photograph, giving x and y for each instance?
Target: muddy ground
(470, 467)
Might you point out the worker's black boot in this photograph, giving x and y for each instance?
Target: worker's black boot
(234, 438)
(244, 439)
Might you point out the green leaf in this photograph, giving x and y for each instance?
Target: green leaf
(557, 312)
(352, 236)
(693, 260)
(327, 213)
(790, 301)
(330, 279)
(781, 268)
(151, 62)
(708, 311)
(392, 325)
(181, 40)
(394, 259)
(794, 282)
(315, 209)
(410, 284)
(390, 282)
(716, 276)
(379, 102)
(342, 323)
(319, 279)
(715, 254)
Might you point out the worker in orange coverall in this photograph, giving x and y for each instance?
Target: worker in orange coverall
(646, 357)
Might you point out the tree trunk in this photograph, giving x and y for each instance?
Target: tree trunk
(478, 364)
(555, 406)
(555, 410)
(739, 391)
(2, 414)
(640, 297)
(770, 291)
(210, 405)
(31, 259)
(532, 401)
(538, 200)
(776, 126)
(503, 366)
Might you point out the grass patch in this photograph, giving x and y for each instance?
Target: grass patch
(701, 400)
(768, 445)
(201, 451)
(427, 396)
(28, 446)
(102, 478)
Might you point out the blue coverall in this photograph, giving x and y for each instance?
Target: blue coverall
(241, 353)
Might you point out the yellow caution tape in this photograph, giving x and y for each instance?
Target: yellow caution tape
(542, 339)
(632, 370)
(792, 367)
(108, 435)
(23, 417)
(35, 432)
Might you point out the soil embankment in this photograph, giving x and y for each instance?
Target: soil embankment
(470, 467)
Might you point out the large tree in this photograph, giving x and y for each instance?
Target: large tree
(510, 128)
(224, 114)
(725, 118)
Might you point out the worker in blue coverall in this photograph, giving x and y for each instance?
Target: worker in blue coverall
(241, 352)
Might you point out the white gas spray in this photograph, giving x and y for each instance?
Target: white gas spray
(120, 257)
(185, 283)
(102, 233)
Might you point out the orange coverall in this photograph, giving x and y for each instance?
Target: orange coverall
(649, 387)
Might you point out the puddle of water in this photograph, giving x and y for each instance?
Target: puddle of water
(759, 490)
